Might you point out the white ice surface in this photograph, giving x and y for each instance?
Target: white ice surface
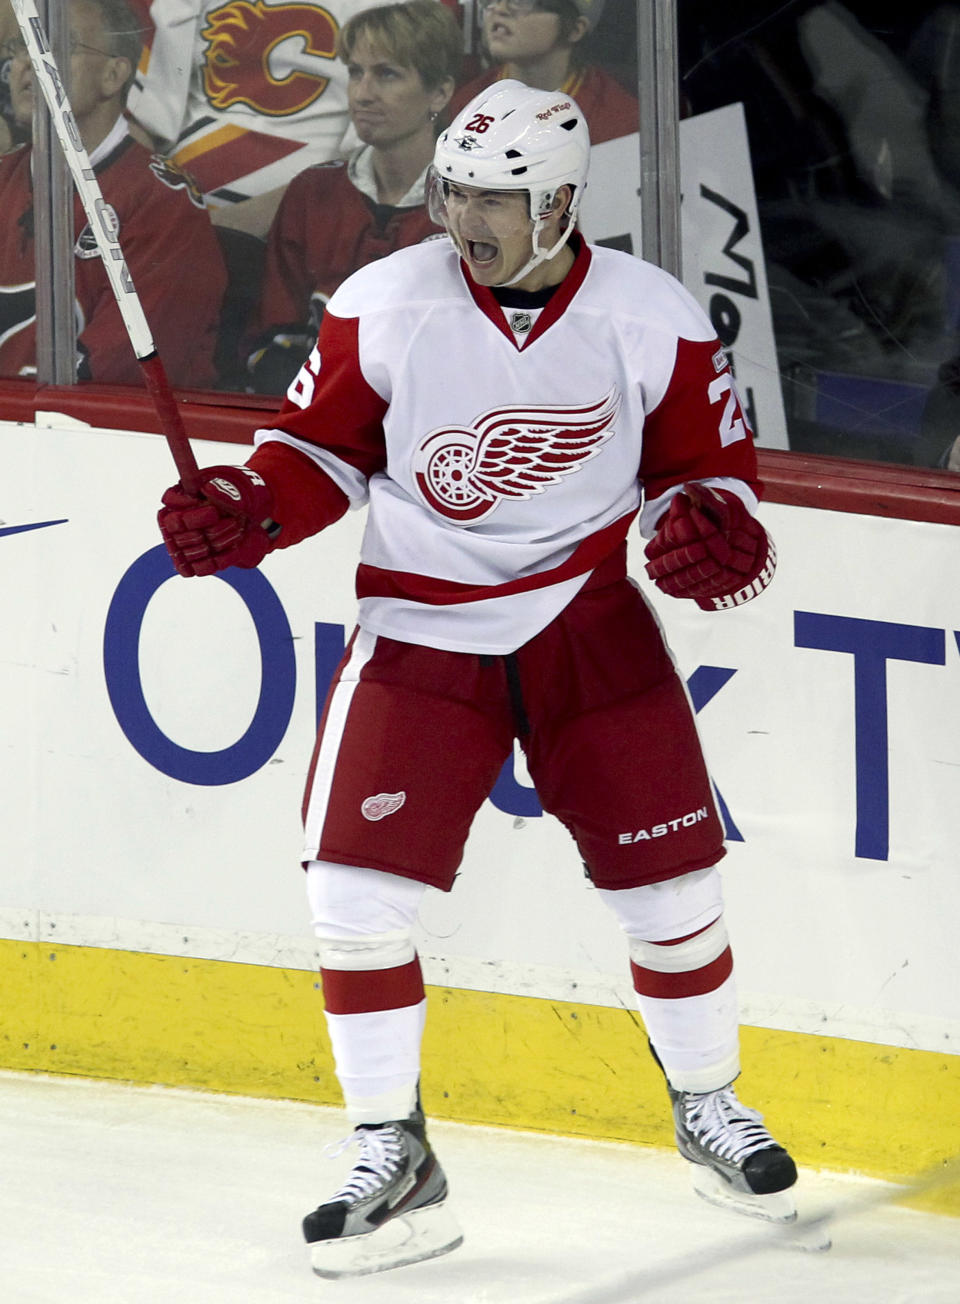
(113, 1194)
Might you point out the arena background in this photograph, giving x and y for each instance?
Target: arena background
(155, 736)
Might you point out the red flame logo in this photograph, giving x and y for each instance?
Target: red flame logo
(243, 64)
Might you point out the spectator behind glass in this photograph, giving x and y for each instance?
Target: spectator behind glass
(243, 95)
(169, 243)
(9, 134)
(541, 43)
(402, 62)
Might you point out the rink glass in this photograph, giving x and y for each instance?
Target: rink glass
(852, 133)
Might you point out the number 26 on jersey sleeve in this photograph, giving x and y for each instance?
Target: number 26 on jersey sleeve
(733, 422)
(305, 381)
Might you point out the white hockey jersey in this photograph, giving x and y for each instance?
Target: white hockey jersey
(503, 460)
(244, 94)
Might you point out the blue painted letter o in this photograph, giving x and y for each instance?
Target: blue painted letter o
(121, 664)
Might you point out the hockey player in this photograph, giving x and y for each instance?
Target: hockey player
(162, 231)
(541, 43)
(402, 61)
(507, 402)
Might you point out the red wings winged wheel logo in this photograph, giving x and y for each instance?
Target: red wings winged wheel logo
(510, 453)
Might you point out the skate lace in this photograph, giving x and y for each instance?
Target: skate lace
(724, 1126)
(382, 1153)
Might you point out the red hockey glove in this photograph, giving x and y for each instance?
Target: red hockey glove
(228, 524)
(710, 548)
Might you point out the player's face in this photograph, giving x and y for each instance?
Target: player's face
(515, 33)
(494, 233)
(388, 100)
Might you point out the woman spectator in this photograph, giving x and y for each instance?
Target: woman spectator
(402, 61)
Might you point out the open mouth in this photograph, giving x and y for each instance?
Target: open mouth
(481, 252)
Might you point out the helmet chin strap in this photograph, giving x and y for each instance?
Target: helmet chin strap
(539, 255)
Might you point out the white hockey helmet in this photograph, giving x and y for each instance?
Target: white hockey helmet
(514, 137)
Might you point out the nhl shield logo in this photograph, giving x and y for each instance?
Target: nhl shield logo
(382, 805)
(86, 245)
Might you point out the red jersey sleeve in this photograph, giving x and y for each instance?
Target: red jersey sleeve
(305, 499)
(699, 429)
(328, 440)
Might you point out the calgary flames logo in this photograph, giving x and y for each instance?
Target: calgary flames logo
(243, 64)
(512, 453)
(174, 176)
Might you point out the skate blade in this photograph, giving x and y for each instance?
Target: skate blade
(409, 1238)
(779, 1209)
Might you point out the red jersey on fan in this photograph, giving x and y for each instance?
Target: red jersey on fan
(610, 110)
(329, 225)
(171, 250)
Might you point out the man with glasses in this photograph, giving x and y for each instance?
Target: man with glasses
(542, 43)
(168, 241)
(9, 135)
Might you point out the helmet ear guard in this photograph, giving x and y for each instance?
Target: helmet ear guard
(548, 199)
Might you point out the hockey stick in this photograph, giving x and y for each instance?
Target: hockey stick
(103, 223)
(808, 1232)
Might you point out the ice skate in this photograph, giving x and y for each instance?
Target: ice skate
(390, 1211)
(737, 1163)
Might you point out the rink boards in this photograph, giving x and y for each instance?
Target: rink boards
(156, 735)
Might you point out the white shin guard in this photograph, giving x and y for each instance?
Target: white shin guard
(363, 919)
(696, 1036)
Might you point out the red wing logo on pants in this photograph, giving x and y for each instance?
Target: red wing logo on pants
(511, 453)
(382, 805)
(243, 64)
